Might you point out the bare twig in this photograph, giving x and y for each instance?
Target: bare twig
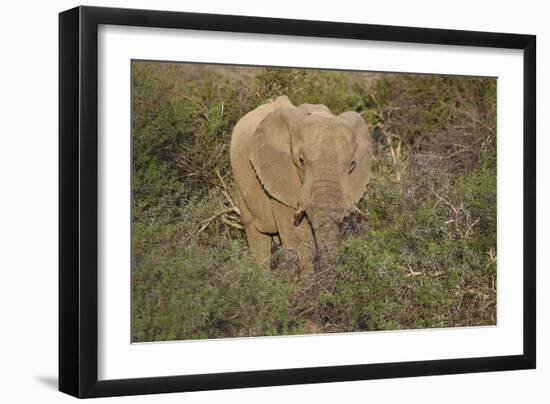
(227, 213)
(226, 220)
(205, 223)
(225, 193)
(306, 311)
(413, 274)
(395, 153)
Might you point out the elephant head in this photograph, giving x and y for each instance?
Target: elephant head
(317, 163)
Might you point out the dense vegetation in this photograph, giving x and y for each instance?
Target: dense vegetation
(426, 256)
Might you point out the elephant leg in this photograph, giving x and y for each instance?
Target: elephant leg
(296, 238)
(259, 243)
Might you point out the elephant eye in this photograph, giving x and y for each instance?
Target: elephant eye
(301, 161)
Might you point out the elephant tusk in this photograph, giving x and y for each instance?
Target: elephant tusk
(358, 212)
(299, 215)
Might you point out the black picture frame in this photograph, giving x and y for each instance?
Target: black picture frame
(78, 201)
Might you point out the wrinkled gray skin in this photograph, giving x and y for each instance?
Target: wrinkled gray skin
(299, 172)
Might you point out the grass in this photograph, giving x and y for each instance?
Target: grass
(426, 257)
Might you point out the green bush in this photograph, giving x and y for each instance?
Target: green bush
(426, 257)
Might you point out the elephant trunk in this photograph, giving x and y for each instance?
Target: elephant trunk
(327, 258)
(325, 212)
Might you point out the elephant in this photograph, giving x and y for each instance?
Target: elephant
(299, 171)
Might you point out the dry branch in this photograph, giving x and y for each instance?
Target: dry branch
(227, 212)
(227, 196)
(231, 222)
(206, 222)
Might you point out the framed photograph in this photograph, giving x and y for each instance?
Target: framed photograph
(251, 201)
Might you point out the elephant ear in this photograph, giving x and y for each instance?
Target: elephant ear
(271, 155)
(355, 186)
